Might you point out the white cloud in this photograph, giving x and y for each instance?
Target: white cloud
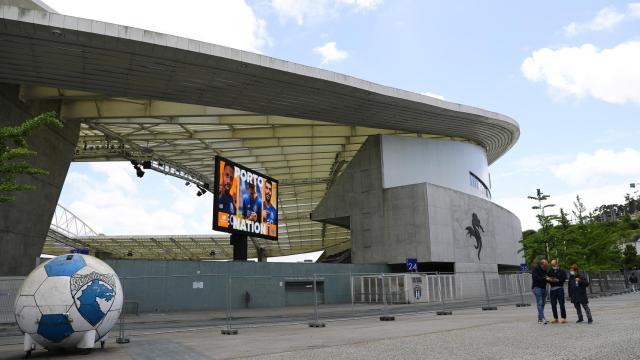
(592, 197)
(440, 97)
(611, 75)
(118, 175)
(231, 22)
(615, 136)
(597, 168)
(363, 4)
(330, 53)
(313, 10)
(111, 199)
(534, 165)
(634, 9)
(606, 19)
(595, 177)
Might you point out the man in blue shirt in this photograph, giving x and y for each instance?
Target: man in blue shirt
(270, 212)
(539, 280)
(251, 205)
(225, 202)
(558, 277)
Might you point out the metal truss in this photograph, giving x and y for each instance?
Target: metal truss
(68, 224)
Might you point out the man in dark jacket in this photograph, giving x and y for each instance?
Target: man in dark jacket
(578, 293)
(539, 280)
(558, 277)
(633, 279)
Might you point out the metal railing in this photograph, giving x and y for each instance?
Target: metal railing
(68, 224)
(410, 288)
(236, 301)
(9, 287)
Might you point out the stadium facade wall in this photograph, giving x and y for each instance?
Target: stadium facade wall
(432, 222)
(163, 286)
(24, 222)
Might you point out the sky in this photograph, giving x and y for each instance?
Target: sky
(566, 71)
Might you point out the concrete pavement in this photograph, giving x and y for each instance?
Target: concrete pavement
(509, 333)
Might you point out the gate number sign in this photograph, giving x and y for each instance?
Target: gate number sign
(412, 264)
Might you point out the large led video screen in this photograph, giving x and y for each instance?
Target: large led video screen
(244, 201)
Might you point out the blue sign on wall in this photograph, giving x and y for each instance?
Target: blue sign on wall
(524, 267)
(412, 264)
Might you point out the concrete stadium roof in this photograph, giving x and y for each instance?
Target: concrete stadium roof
(173, 99)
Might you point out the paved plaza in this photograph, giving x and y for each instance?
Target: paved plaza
(509, 333)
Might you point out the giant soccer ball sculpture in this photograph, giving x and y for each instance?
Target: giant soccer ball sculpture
(71, 301)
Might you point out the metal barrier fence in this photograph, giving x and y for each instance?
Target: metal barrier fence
(606, 281)
(9, 287)
(411, 288)
(238, 300)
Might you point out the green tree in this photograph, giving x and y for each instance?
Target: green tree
(545, 221)
(592, 242)
(532, 246)
(564, 236)
(13, 148)
(579, 210)
(629, 256)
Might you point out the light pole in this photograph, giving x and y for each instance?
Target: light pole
(633, 199)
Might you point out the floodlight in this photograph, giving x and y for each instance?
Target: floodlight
(139, 172)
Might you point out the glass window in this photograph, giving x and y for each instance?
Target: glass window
(479, 185)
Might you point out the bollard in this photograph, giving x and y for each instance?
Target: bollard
(385, 311)
(316, 322)
(442, 311)
(353, 306)
(228, 330)
(122, 339)
(486, 292)
(521, 289)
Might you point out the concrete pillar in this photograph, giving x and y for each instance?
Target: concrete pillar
(24, 222)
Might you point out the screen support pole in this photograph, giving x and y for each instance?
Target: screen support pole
(239, 243)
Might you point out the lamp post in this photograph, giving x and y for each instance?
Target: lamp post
(633, 199)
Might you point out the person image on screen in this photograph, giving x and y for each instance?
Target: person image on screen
(270, 211)
(225, 202)
(251, 204)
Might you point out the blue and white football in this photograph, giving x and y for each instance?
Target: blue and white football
(70, 301)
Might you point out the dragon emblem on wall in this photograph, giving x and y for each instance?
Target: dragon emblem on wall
(474, 231)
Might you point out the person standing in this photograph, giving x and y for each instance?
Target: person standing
(539, 280)
(558, 277)
(252, 204)
(578, 293)
(633, 279)
(226, 201)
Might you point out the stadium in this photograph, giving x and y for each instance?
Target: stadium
(370, 174)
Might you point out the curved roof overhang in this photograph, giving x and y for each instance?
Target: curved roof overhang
(61, 51)
(181, 100)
